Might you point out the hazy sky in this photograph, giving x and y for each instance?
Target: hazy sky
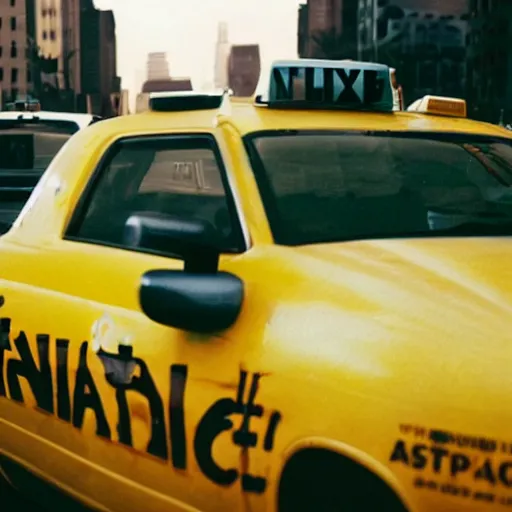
(187, 30)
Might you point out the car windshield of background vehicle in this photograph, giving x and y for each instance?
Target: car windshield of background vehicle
(31, 145)
(338, 186)
(27, 146)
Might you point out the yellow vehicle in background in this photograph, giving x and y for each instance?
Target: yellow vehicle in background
(295, 303)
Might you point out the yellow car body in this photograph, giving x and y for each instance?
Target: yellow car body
(386, 356)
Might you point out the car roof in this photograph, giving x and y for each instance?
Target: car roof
(250, 118)
(247, 118)
(82, 120)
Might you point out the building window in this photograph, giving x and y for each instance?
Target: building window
(14, 75)
(14, 50)
(13, 23)
(53, 35)
(1, 74)
(421, 34)
(1, 51)
(428, 74)
(13, 3)
(45, 35)
(44, 12)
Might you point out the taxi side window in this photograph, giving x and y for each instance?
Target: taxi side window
(180, 176)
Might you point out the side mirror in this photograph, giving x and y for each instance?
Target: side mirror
(202, 303)
(191, 240)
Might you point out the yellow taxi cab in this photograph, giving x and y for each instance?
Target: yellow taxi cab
(295, 303)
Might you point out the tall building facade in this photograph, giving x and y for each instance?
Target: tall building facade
(159, 78)
(424, 39)
(55, 50)
(244, 69)
(157, 66)
(222, 49)
(90, 48)
(49, 28)
(109, 81)
(15, 72)
(302, 31)
(490, 61)
(57, 38)
(380, 21)
(71, 47)
(98, 58)
(327, 29)
(169, 85)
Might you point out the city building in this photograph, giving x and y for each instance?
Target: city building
(157, 66)
(56, 36)
(169, 85)
(222, 49)
(380, 21)
(109, 80)
(55, 50)
(490, 61)
(49, 28)
(159, 78)
(162, 85)
(141, 102)
(15, 72)
(302, 31)
(90, 49)
(425, 40)
(98, 59)
(71, 47)
(327, 29)
(244, 68)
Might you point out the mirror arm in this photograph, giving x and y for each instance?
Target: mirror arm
(202, 262)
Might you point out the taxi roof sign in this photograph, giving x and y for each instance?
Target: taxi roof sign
(329, 84)
(440, 106)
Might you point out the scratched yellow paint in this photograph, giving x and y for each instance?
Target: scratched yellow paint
(359, 348)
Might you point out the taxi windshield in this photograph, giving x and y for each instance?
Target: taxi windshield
(320, 187)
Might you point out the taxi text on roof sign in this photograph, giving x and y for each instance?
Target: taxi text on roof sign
(440, 105)
(329, 84)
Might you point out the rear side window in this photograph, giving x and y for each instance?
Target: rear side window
(180, 176)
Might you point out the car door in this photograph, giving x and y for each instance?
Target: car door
(142, 411)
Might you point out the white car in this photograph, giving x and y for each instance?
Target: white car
(28, 143)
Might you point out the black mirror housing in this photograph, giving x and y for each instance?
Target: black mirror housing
(192, 240)
(196, 302)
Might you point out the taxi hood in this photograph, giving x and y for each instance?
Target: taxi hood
(446, 285)
(410, 340)
(417, 323)
(460, 270)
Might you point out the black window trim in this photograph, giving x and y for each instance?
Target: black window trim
(83, 203)
(265, 188)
